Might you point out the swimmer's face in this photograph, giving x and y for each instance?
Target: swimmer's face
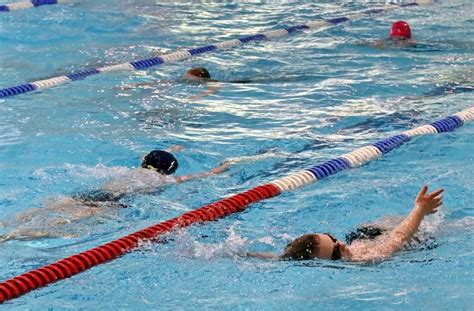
(331, 248)
(399, 38)
(310, 246)
(193, 79)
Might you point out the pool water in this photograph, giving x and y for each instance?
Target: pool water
(313, 96)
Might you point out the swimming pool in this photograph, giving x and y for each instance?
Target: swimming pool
(315, 96)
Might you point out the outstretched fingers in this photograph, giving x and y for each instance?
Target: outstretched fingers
(423, 191)
(434, 194)
(429, 202)
(438, 199)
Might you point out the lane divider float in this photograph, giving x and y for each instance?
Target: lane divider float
(75, 264)
(185, 54)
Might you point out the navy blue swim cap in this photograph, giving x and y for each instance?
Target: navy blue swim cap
(161, 161)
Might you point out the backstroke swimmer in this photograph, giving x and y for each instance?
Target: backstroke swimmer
(368, 244)
(155, 172)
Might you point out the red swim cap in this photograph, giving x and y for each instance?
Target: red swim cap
(400, 29)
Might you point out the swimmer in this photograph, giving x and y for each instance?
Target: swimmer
(368, 244)
(202, 75)
(197, 75)
(399, 37)
(155, 171)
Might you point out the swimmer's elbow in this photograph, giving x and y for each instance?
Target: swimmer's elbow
(213, 88)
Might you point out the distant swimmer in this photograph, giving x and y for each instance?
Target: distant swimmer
(197, 75)
(155, 171)
(399, 37)
(202, 75)
(368, 244)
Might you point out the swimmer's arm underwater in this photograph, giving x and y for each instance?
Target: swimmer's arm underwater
(132, 86)
(425, 204)
(385, 44)
(217, 170)
(270, 256)
(212, 88)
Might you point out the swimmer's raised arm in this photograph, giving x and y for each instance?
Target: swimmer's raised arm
(425, 204)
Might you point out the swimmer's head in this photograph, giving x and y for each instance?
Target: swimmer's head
(310, 246)
(161, 161)
(198, 72)
(303, 248)
(400, 30)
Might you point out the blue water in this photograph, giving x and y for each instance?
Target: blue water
(315, 96)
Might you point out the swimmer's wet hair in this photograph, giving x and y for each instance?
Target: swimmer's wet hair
(303, 248)
(200, 72)
(161, 161)
(364, 233)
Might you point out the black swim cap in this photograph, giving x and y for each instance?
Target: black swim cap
(161, 161)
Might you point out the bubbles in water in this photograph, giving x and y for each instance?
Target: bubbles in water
(188, 245)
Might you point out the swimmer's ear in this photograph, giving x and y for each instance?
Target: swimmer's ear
(143, 162)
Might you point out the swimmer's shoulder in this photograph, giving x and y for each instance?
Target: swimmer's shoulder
(151, 176)
(389, 43)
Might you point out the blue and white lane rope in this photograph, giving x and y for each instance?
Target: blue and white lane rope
(366, 154)
(28, 4)
(185, 54)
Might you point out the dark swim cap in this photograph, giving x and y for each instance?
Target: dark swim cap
(161, 161)
(199, 72)
(400, 29)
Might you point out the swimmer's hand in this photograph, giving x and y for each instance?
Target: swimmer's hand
(175, 148)
(429, 203)
(224, 166)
